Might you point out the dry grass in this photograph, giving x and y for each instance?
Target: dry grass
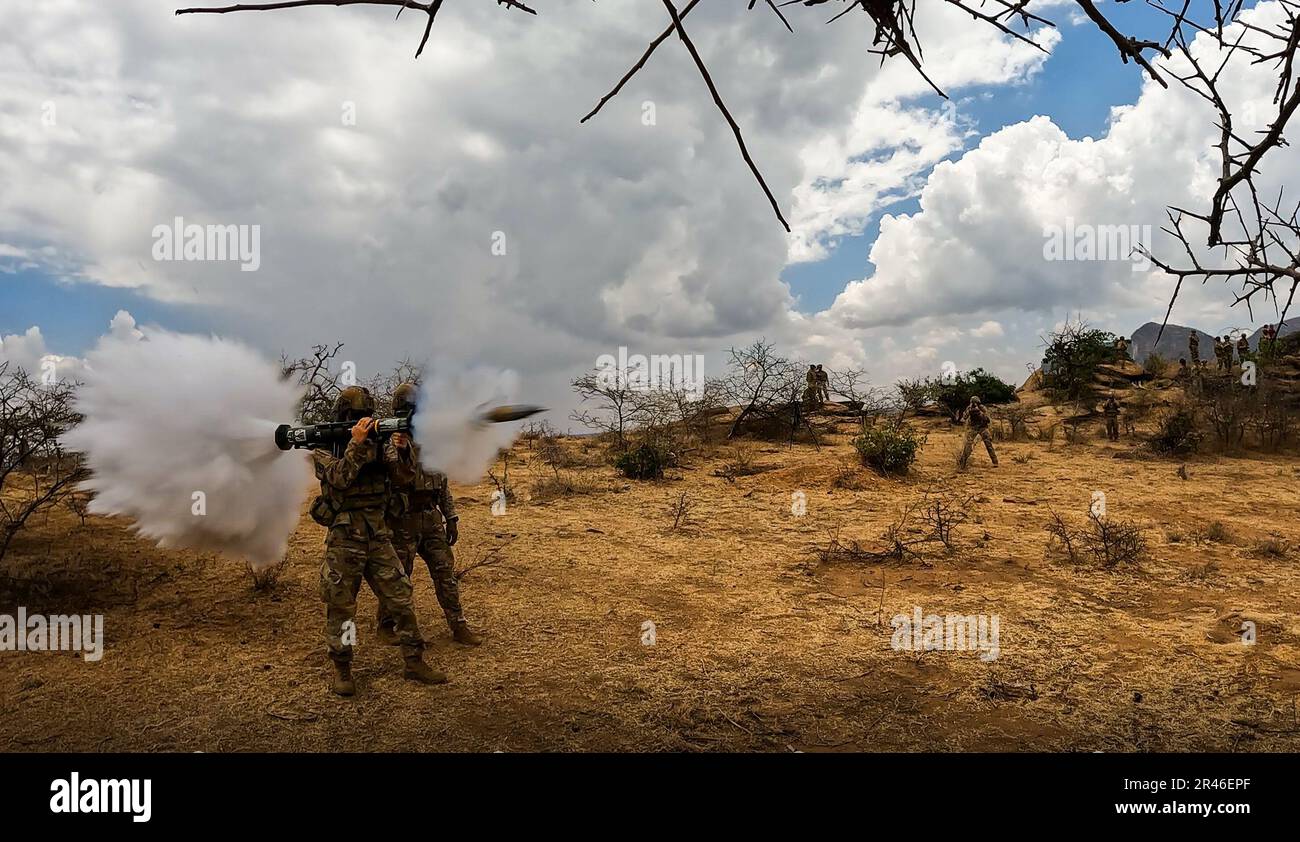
(759, 646)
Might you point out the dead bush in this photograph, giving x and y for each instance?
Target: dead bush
(1013, 421)
(944, 512)
(267, 579)
(738, 462)
(680, 511)
(561, 484)
(1215, 533)
(848, 477)
(1102, 541)
(896, 543)
(1272, 547)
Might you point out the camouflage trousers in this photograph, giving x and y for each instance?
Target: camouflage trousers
(1112, 427)
(354, 552)
(423, 534)
(969, 445)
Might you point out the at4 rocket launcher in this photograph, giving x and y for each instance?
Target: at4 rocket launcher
(288, 437)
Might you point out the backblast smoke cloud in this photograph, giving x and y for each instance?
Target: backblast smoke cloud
(178, 434)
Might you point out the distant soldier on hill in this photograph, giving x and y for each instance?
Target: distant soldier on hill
(1184, 374)
(823, 385)
(1121, 349)
(1243, 348)
(1268, 337)
(1193, 347)
(977, 426)
(1111, 411)
(811, 387)
(1223, 353)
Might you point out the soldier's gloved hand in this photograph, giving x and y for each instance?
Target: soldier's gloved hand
(452, 534)
(362, 429)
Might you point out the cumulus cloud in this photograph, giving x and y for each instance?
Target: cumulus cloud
(28, 351)
(383, 185)
(977, 245)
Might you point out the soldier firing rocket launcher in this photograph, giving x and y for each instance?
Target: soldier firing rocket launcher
(288, 437)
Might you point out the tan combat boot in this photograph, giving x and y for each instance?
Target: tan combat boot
(343, 684)
(463, 634)
(417, 670)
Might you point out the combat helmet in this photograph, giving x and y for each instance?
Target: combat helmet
(353, 404)
(404, 399)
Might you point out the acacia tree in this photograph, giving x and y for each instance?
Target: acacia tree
(35, 470)
(762, 383)
(1073, 354)
(314, 373)
(617, 405)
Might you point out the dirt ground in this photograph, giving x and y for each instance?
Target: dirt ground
(759, 644)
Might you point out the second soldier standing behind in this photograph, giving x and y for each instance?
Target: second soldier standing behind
(423, 521)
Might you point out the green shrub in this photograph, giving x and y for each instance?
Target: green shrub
(1155, 365)
(1073, 354)
(954, 393)
(1176, 434)
(889, 448)
(644, 462)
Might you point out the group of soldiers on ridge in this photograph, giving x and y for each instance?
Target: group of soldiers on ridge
(1223, 352)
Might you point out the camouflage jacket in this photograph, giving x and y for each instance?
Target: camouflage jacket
(977, 418)
(428, 490)
(358, 485)
(1110, 409)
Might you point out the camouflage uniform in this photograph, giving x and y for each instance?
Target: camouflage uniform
(416, 516)
(1193, 347)
(1111, 411)
(823, 386)
(977, 426)
(359, 544)
(1243, 348)
(417, 525)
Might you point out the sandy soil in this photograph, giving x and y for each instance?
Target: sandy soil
(759, 645)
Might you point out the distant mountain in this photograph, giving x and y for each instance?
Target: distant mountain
(1173, 344)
